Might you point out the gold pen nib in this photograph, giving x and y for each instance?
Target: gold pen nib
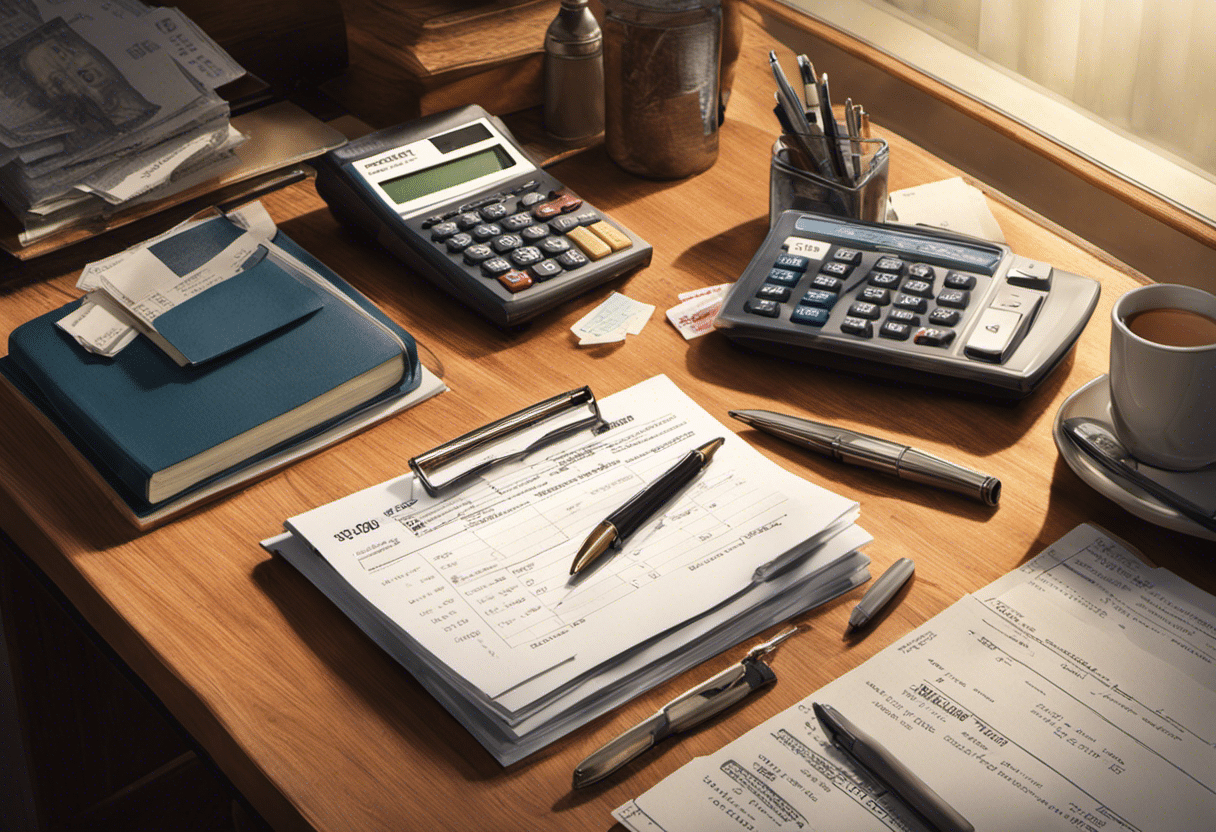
(707, 450)
(599, 541)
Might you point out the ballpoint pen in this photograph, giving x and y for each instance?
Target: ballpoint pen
(879, 762)
(872, 452)
(627, 519)
(880, 592)
(687, 710)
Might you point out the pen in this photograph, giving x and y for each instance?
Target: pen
(872, 452)
(894, 774)
(687, 710)
(627, 519)
(882, 591)
(831, 131)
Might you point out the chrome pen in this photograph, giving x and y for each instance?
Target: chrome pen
(880, 593)
(872, 452)
(879, 762)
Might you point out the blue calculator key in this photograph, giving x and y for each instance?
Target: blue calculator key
(857, 326)
(847, 255)
(954, 298)
(912, 302)
(884, 280)
(826, 282)
(895, 330)
(836, 268)
(773, 292)
(919, 287)
(944, 317)
(889, 264)
(931, 336)
(545, 269)
(861, 309)
(920, 271)
(767, 308)
(809, 316)
(495, 266)
(875, 294)
(793, 262)
(958, 280)
(783, 277)
(819, 298)
(904, 316)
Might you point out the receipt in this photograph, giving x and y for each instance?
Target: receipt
(612, 320)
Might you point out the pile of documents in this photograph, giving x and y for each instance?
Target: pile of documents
(472, 592)
(103, 105)
(1075, 693)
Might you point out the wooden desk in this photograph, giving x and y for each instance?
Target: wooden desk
(321, 730)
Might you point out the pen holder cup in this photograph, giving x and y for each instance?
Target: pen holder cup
(859, 196)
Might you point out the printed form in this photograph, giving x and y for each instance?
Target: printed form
(1077, 692)
(480, 580)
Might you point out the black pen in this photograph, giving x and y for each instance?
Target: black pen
(627, 519)
(882, 764)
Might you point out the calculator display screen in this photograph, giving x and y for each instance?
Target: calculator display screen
(436, 178)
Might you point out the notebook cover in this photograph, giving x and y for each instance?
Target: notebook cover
(140, 412)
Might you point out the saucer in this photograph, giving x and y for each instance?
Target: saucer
(1093, 400)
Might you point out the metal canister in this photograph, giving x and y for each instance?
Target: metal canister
(661, 65)
(574, 74)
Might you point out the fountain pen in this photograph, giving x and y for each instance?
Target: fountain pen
(872, 452)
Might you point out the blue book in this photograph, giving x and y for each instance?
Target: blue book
(156, 430)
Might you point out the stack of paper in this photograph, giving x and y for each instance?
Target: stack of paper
(473, 595)
(104, 104)
(1076, 693)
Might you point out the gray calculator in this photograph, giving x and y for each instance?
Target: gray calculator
(908, 303)
(455, 196)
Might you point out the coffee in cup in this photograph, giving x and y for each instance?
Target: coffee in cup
(1163, 375)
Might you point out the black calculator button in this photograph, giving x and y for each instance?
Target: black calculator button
(835, 268)
(495, 266)
(919, 287)
(921, 271)
(904, 316)
(517, 221)
(759, 306)
(912, 303)
(506, 242)
(894, 329)
(441, 231)
(554, 245)
(459, 242)
(514, 281)
(826, 282)
(847, 255)
(857, 326)
(954, 298)
(468, 219)
(476, 253)
(771, 291)
(530, 199)
(530, 185)
(944, 317)
(494, 211)
(809, 316)
(526, 256)
(545, 269)
(861, 309)
(889, 264)
(958, 280)
(486, 232)
(431, 221)
(875, 294)
(793, 262)
(818, 298)
(587, 218)
(572, 259)
(532, 233)
(562, 225)
(783, 277)
(930, 336)
(884, 280)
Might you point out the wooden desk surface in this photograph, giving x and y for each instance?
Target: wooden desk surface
(321, 730)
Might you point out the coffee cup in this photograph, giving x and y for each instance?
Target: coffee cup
(1163, 375)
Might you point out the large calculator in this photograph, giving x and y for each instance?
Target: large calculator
(456, 197)
(908, 303)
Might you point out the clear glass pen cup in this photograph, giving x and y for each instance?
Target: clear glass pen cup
(861, 193)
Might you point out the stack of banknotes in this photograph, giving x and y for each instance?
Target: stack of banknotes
(104, 104)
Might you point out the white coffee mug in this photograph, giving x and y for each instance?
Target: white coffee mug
(1163, 396)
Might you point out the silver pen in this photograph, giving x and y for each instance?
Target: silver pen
(880, 592)
(872, 452)
(879, 762)
(690, 708)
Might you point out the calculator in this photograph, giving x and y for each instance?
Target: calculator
(456, 197)
(908, 303)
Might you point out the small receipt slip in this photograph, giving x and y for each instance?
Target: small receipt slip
(694, 315)
(612, 320)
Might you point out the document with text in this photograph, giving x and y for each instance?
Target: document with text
(1075, 693)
